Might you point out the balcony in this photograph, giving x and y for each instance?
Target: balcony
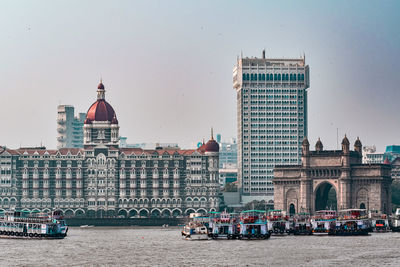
(61, 130)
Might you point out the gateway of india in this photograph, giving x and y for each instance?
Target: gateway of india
(325, 175)
(104, 180)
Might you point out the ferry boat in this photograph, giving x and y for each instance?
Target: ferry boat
(302, 224)
(196, 228)
(324, 222)
(352, 222)
(278, 222)
(254, 225)
(395, 221)
(379, 222)
(224, 225)
(26, 225)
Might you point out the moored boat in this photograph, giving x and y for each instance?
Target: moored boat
(395, 221)
(302, 224)
(324, 222)
(379, 222)
(254, 225)
(279, 223)
(196, 228)
(352, 222)
(223, 225)
(27, 225)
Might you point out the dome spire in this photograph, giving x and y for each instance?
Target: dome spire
(212, 133)
(101, 93)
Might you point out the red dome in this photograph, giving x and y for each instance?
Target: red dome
(212, 146)
(100, 86)
(100, 111)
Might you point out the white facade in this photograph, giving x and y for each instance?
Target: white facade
(370, 156)
(271, 119)
(69, 127)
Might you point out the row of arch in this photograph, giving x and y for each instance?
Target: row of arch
(273, 77)
(8, 201)
(122, 213)
(153, 201)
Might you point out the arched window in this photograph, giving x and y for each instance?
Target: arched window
(294, 77)
(263, 77)
(362, 206)
(275, 77)
(279, 77)
(244, 76)
(299, 77)
(251, 76)
(259, 77)
(247, 77)
(302, 77)
(291, 76)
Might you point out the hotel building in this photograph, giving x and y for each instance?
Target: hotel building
(271, 120)
(104, 180)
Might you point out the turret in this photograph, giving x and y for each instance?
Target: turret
(319, 146)
(358, 146)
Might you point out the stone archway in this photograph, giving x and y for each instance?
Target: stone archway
(325, 197)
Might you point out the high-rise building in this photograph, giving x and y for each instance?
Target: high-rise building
(69, 127)
(271, 119)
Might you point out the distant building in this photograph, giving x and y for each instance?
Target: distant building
(69, 127)
(395, 173)
(228, 154)
(123, 144)
(370, 156)
(271, 119)
(392, 152)
(227, 176)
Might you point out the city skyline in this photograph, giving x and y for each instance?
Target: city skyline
(171, 80)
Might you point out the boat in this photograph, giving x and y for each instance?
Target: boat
(196, 228)
(253, 225)
(224, 225)
(324, 222)
(302, 224)
(379, 222)
(279, 223)
(395, 221)
(352, 222)
(32, 225)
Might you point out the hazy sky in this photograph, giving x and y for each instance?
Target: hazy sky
(167, 65)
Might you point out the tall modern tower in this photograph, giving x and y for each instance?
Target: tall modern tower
(271, 120)
(69, 127)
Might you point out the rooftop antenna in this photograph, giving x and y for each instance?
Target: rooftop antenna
(337, 138)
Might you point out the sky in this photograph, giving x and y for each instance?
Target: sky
(167, 65)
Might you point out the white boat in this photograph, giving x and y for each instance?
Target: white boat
(395, 221)
(195, 231)
(25, 225)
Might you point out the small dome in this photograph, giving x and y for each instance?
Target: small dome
(305, 142)
(100, 86)
(357, 142)
(212, 146)
(114, 120)
(318, 145)
(345, 141)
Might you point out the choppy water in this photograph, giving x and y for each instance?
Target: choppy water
(113, 246)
